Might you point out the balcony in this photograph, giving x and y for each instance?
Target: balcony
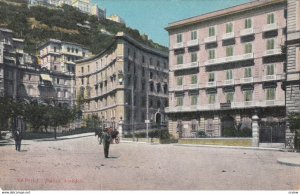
(269, 77)
(227, 36)
(229, 59)
(211, 84)
(210, 39)
(229, 82)
(193, 43)
(178, 88)
(246, 80)
(210, 106)
(247, 31)
(270, 27)
(273, 103)
(191, 86)
(178, 45)
(272, 52)
(185, 66)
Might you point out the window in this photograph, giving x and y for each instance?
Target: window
(248, 72)
(270, 44)
(211, 77)
(143, 59)
(194, 57)
(179, 38)
(229, 75)
(55, 49)
(248, 23)
(248, 95)
(179, 81)
(270, 93)
(271, 18)
(179, 101)
(211, 98)
(193, 35)
(211, 31)
(194, 79)
(229, 51)
(82, 69)
(270, 69)
(229, 27)
(88, 68)
(179, 59)
(211, 54)
(76, 50)
(248, 48)
(194, 99)
(68, 49)
(229, 97)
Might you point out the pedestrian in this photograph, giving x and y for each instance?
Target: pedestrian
(18, 136)
(106, 138)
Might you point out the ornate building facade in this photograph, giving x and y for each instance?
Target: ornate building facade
(127, 81)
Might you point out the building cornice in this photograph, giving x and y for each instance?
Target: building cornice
(122, 35)
(223, 13)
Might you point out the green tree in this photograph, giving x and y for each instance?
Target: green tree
(294, 121)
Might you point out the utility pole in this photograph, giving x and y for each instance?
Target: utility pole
(132, 107)
(147, 102)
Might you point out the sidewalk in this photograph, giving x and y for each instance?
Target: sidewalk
(66, 137)
(290, 161)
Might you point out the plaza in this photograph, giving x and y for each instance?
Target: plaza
(78, 163)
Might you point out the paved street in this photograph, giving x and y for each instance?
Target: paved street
(79, 164)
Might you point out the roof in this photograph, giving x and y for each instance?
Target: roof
(122, 35)
(61, 42)
(221, 13)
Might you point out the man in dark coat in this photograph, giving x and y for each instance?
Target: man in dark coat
(106, 138)
(18, 138)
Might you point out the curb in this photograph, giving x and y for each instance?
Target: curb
(289, 161)
(231, 147)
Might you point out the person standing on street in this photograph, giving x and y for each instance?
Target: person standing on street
(18, 138)
(106, 138)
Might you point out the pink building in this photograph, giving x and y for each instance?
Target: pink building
(225, 67)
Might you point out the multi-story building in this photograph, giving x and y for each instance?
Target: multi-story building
(21, 78)
(293, 61)
(127, 81)
(59, 56)
(227, 66)
(84, 6)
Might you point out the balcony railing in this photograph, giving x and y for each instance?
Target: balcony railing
(233, 105)
(229, 82)
(210, 39)
(272, 52)
(269, 77)
(228, 36)
(178, 88)
(193, 42)
(246, 80)
(229, 59)
(270, 27)
(186, 66)
(178, 45)
(211, 84)
(247, 31)
(192, 86)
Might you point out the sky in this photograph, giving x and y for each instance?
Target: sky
(152, 16)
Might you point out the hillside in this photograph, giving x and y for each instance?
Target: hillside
(38, 24)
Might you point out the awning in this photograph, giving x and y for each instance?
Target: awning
(46, 77)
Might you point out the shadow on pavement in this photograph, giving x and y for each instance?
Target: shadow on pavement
(60, 138)
(113, 157)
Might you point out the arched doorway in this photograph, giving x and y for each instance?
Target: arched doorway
(158, 118)
(227, 126)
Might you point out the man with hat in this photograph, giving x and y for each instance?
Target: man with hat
(106, 138)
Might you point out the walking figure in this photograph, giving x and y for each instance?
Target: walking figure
(106, 138)
(18, 138)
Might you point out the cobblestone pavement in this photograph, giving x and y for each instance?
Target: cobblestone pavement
(79, 164)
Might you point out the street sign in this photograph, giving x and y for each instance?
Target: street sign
(147, 121)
